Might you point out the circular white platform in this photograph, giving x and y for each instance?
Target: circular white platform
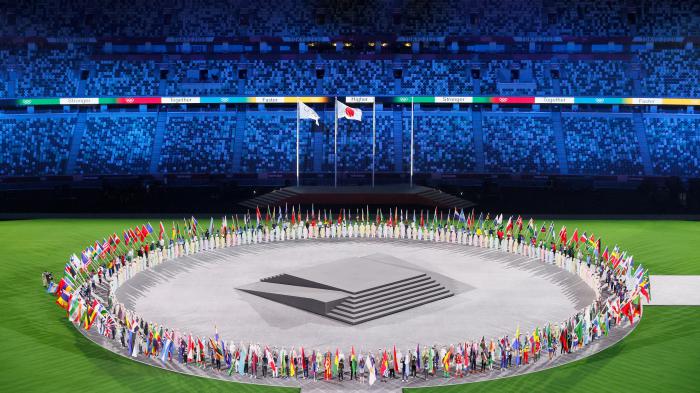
(495, 292)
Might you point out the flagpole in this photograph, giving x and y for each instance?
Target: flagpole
(335, 143)
(374, 138)
(411, 177)
(298, 142)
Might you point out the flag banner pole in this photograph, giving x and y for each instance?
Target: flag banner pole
(335, 143)
(411, 177)
(298, 144)
(374, 138)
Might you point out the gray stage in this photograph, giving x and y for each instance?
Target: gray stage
(494, 292)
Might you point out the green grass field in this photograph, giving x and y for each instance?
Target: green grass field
(44, 353)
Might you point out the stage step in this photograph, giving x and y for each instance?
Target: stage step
(394, 298)
(373, 291)
(392, 309)
(390, 293)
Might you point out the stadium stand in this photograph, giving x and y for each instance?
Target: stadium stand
(602, 146)
(519, 144)
(198, 144)
(671, 73)
(31, 146)
(119, 145)
(439, 77)
(121, 77)
(269, 143)
(444, 144)
(674, 144)
(47, 74)
(343, 17)
(595, 78)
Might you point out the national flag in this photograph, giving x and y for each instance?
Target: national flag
(70, 270)
(126, 237)
(75, 310)
(65, 285)
(149, 228)
(63, 299)
(258, 216)
(345, 112)
(446, 360)
(562, 234)
(52, 288)
(336, 361)
(93, 312)
(384, 368)
(305, 112)
(145, 231)
(396, 360)
(574, 237)
(509, 226)
(370, 369)
(418, 356)
(162, 231)
(584, 238)
(270, 360)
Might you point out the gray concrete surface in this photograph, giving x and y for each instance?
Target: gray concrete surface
(675, 290)
(494, 293)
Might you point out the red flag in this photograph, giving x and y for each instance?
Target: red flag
(396, 361)
(422, 223)
(144, 231)
(562, 234)
(293, 216)
(574, 238)
(385, 364)
(627, 311)
(509, 227)
(162, 230)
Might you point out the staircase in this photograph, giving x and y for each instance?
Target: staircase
(238, 139)
(443, 199)
(559, 139)
(274, 198)
(158, 139)
(389, 299)
(76, 139)
(318, 150)
(398, 141)
(478, 140)
(416, 195)
(641, 134)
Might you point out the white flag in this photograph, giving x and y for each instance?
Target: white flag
(347, 112)
(305, 112)
(372, 373)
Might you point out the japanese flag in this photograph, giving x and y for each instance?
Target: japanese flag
(347, 112)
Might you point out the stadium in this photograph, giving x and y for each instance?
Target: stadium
(308, 195)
